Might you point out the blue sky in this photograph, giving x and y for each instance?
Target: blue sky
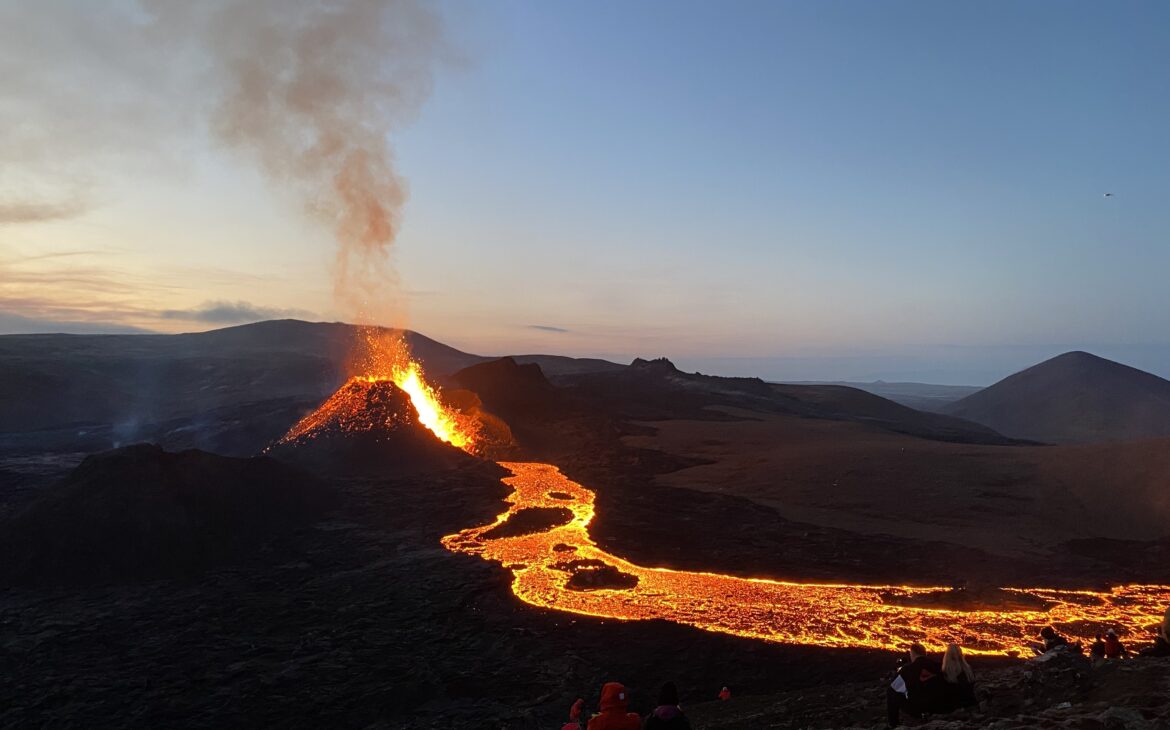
(784, 181)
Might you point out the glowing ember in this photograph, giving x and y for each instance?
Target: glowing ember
(798, 613)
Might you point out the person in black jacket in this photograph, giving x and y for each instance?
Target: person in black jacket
(917, 688)
(1051, 641)
(667, 715)
(960, 680)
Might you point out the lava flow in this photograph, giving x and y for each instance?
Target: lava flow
(556, 564)
(545, 563)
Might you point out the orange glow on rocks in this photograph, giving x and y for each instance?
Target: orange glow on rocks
(385, 358)
(544, 564)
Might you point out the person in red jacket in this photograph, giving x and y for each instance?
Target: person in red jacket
(1114, 649)
(574, 722)
(614, 716)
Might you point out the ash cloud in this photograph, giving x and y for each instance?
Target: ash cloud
(232, 313)
(311, 92)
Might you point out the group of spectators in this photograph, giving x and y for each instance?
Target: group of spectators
(926, 685)
(615, 714)
(922, 685)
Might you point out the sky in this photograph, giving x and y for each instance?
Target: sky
(797, 190)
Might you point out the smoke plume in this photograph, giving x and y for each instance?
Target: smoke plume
(313, 92)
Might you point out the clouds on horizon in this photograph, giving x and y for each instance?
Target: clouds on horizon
(548, 328)
(220, 312)
(16, 324)
(26, 211)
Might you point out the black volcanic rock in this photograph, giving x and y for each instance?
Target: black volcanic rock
(593, 575)
(659, 365)
(530, 520)
(366, 429)
(510, 389)
(139, 513)
(1073, 398)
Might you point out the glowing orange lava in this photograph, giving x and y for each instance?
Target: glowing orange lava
(840, 615)
(561, 567)
(385, 358)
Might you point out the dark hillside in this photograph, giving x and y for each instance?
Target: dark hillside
(1076, 397)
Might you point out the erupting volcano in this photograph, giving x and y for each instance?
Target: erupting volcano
(381, 398)
(377, 418)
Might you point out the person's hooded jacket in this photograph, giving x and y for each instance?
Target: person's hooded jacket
(667, 715)
(614, 716)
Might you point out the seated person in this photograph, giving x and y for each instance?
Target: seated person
(917, 688)
(1051, 641)
(1161, 645)
(1114, 649)
(960, 681)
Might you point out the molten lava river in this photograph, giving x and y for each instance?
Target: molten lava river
(556, 564)
(801, 613)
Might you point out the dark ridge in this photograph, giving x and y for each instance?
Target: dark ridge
(141, 513)
(658, 364)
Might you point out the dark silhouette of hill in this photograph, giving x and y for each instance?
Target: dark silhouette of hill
(847, 403)
(656, 389)
(531, 408)
(555, 366)
(140, 513)
(201, 390)
(920, 396)
(1076, 397)
(510, 389)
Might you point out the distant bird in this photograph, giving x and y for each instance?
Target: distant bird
(1108, 195)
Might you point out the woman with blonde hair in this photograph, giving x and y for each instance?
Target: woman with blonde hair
(960, 687)
(1161, 645)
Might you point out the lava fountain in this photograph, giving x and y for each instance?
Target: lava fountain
(384, 359)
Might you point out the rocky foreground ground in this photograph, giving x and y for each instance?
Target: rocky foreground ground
(1069, 692)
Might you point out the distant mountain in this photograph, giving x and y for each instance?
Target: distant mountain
(556, 366)
(231, 390)
(650, 390)
(1076, 397)
(919, 396)
(845, 403)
